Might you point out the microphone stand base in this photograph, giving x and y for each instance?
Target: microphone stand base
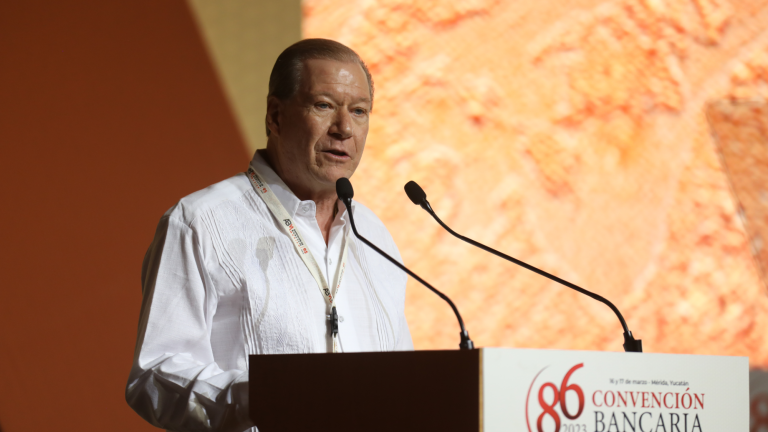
(466, 342)
(631, 344)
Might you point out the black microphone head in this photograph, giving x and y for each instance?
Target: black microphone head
(344, 189)
(415, 192)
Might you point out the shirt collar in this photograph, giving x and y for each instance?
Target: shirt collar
(283, 193)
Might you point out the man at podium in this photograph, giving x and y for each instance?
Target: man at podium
(263, 262)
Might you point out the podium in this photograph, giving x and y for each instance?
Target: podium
(499, 389)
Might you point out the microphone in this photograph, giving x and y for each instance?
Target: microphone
(419, 197)
(345, 192)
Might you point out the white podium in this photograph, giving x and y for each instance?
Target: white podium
(587, 391)
(498, 389)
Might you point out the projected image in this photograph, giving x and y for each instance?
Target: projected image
(620, 145)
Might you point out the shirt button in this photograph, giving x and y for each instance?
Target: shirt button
(341, 318)
(330, 261)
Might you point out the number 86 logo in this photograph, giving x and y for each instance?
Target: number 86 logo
(559, 398)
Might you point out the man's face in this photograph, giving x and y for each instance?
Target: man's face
(321, 130)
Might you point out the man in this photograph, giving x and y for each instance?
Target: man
(257, 263)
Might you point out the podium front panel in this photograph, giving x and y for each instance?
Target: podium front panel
(498, 389)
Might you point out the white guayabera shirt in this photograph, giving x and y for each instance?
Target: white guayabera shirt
(222, 280)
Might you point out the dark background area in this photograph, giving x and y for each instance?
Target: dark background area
(109, 113)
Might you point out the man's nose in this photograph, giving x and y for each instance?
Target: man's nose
(342, 125)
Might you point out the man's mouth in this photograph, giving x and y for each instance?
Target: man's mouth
(336, 153)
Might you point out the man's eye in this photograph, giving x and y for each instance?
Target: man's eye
(323, 105)
(359, 111)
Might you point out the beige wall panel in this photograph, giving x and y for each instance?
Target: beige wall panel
(244, 38)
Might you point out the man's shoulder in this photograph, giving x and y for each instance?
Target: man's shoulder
(191, 206)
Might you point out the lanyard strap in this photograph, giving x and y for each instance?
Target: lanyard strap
(288, 225)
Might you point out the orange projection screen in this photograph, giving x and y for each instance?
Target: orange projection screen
(618, 144)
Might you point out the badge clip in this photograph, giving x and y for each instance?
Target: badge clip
(334, 317)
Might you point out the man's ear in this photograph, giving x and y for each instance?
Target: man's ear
(274, 107)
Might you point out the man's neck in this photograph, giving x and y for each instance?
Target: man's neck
(325, 200)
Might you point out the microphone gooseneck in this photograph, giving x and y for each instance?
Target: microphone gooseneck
(345, 193)
(419, 197)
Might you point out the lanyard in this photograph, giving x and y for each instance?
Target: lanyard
(285, 221)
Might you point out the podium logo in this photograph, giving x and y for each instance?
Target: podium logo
(567, 400)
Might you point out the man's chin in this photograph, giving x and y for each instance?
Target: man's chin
(332, 173)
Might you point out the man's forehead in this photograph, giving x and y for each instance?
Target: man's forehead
(319, 72)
